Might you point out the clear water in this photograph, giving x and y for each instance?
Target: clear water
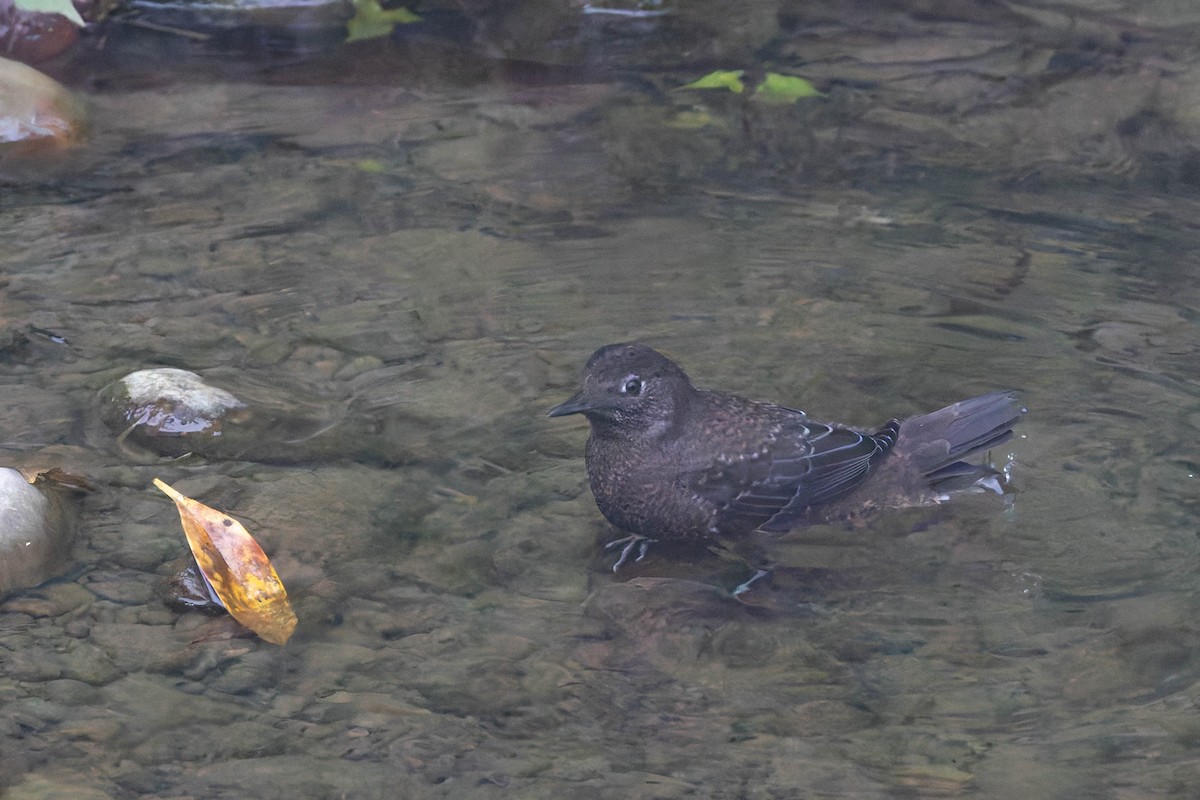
(405, 253)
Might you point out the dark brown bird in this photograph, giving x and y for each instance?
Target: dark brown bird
(668, 461)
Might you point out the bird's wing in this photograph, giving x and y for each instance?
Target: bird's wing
(801, 464)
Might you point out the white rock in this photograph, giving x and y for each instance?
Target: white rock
(178, 386)
(167, 402)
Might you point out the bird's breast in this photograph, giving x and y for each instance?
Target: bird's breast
(641, 492)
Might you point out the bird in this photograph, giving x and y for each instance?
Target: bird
(667, 461)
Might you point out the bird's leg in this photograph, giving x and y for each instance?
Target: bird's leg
(744, 586)
(627, 545)
(748, 553)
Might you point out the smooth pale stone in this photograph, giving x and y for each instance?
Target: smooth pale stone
(34, 107)
(34, 539)
(170, 401)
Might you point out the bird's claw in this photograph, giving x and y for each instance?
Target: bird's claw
(627, 545)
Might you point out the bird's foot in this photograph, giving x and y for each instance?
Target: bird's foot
(628, 545)
(744, 586)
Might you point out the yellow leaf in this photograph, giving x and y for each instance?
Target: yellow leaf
(730, 79)
(781, 89)
(371, 20)
(236, 567)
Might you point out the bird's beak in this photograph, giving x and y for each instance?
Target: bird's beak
(576, 405)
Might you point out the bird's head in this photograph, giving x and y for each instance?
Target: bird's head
(629, 388)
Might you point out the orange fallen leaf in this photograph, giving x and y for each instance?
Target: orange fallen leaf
(236, 567)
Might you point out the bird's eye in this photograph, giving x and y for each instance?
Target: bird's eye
(632, 386)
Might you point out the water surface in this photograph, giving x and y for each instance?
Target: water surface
(404, 254)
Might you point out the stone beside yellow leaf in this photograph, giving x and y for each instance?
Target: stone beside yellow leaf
(730, 79)
(371, 20)
(781, 89)
(236, 567)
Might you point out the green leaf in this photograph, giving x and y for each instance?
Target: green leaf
(730, 79)
(691, 120)
(371, 20)
(782, 89)
(63, 7)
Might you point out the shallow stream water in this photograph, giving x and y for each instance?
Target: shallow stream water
(405, 252)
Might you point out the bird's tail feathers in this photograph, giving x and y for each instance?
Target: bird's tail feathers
(937, 442)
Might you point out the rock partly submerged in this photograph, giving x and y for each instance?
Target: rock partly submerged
(36, 110)
(174, 409)
(36, 533)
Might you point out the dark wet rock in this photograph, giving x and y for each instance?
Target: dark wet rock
(33, 36)
(133, 647)
(221, 631)
(408, 617)
(137, 779)
(126, 588)
(745, 645)
(36, 712)
(35, 415)
(52, 600)
(186, 588)
(533, 558)
(70, 692)
(358, 366)
(627, 605)
(332, 658)
(72, 659)
(251, 27)
(432, 411)
(256, 670)
(158, 705)
(393, 336)
(826, 716)
(87, 663)
(665, 622)
(57, 784)
(145, 547)
(529, 491)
